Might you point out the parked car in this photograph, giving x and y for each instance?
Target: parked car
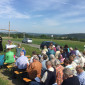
(47, 43)
(27, 40)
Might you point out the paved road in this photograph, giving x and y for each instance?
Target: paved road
(32, 45)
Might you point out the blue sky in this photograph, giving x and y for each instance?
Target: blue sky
(43, 16)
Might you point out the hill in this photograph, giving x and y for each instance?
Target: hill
(76, 35)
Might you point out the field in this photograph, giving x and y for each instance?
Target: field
(78, 44)
(28, 48)
(6, 73)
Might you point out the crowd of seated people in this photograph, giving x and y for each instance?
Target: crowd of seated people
(55, 65)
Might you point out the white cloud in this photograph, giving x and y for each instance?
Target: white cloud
(50, 22)
(7, 11)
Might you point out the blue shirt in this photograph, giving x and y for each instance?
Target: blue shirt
(44, 65)
(21, 62)
(81, 77)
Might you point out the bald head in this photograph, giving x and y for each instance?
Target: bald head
(22, 53)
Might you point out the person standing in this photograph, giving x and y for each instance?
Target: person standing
(18, 50)
(1, 47)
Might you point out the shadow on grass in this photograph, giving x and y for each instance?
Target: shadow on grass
(8, 74)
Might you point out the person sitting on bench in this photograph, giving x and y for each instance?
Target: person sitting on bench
(21, 63)
(9, 57)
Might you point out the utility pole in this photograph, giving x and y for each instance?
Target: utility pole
(24, 34)
(9, 30)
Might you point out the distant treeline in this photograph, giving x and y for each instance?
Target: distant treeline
(74, 37)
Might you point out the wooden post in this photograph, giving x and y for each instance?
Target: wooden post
(9, 31)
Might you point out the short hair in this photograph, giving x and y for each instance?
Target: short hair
(34, 52)
(52, 56)
(71, 58)
(67, 61)
(45, 57)
(57, 62)
(48, 63)
(8, 48)
(36, 57)
(67, 71)
(19, 45)
(45, 46)
(79, 67)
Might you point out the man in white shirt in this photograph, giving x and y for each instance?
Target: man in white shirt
(21, 64)
(22, 61)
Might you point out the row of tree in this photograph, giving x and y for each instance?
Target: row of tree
(41, 36)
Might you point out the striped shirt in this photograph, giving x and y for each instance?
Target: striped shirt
(81, 77)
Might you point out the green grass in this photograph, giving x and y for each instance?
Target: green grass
(78, 44)
(4, 82)
(28, 48)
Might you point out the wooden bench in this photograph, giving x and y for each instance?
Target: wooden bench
(9, 66)
(5, 63)
(27, 80)
(17, 72)
(28, 56)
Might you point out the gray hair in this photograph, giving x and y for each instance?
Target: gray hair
(48, 63)
(67, 71)
(79, 67)
(35, 57)
(52, 56)
(57, 62)
(53, 62)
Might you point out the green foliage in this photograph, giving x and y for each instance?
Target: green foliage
(82, 40)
